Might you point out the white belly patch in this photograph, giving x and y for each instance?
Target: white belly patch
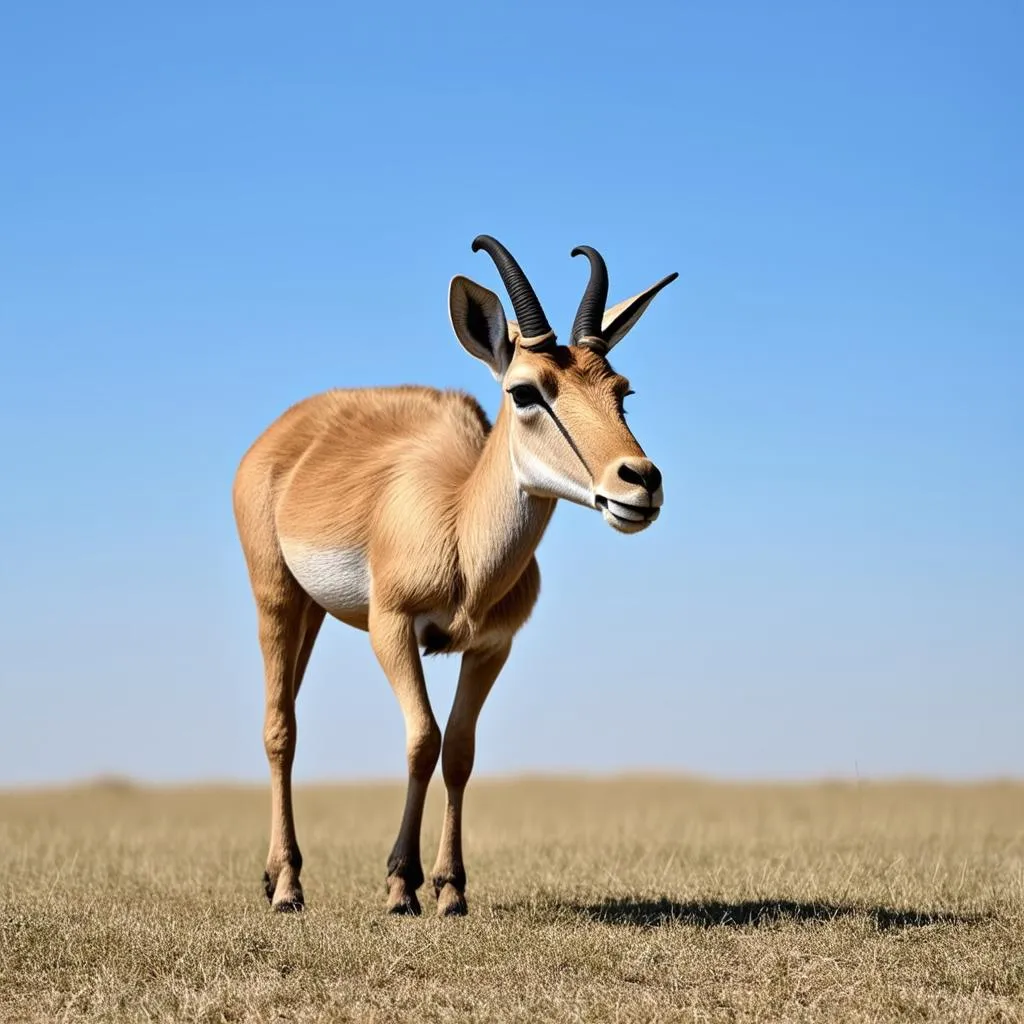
(338, 579)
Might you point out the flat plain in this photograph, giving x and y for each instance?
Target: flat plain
(646, 899)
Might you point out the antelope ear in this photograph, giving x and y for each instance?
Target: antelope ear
(479, 323)
(618, 320)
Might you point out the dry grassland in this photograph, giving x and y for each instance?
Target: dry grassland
(634, 899)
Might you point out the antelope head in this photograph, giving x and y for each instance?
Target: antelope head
(568, 436)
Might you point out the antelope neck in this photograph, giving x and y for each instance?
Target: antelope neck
(500, 525)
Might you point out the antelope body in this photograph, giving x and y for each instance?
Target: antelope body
(401, 511)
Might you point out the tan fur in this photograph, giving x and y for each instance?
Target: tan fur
(409, 516)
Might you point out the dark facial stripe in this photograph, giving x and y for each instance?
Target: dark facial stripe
(565, 433)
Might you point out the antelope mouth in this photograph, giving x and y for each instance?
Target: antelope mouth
(624, 517)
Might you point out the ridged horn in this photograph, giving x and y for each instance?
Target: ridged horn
(587, 325)
(533, 324)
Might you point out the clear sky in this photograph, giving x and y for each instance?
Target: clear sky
(210, 211)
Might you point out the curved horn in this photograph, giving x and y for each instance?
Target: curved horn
(586, 328)
(533, 324)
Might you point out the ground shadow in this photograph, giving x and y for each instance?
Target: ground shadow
(753, 913)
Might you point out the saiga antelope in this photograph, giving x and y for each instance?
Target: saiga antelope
(403, 512)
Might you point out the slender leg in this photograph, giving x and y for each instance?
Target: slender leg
(288, 626)
(310, 631)
(394, 642)
(284, 861)
(477, 674)
(288, 629)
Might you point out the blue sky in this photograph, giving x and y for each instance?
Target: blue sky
(212, 211)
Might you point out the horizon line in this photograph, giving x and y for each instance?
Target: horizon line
(115, 782)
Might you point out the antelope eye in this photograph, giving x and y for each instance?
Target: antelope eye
(524, 395)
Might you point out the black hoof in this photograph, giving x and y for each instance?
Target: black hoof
(451, 902)
(407, 906)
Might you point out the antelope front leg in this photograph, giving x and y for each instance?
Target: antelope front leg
(394, 642)
(477, 674)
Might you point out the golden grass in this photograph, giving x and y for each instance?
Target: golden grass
(632, 899)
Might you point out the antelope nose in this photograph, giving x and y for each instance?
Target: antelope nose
(641, 472)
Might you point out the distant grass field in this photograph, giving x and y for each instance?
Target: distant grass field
(618, 900)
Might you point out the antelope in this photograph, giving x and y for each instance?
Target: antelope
(403, 512)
